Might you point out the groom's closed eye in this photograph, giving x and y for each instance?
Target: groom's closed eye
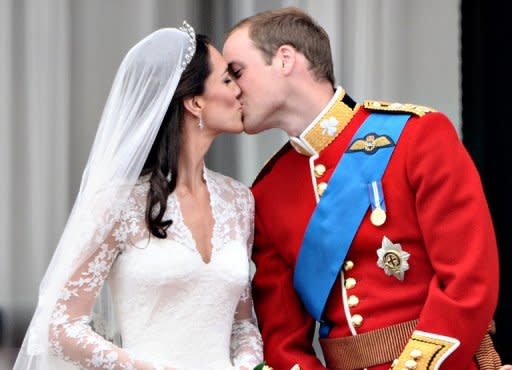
(234, 70)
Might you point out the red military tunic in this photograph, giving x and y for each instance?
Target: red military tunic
(436, 211)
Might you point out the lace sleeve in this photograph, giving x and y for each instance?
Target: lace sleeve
(246, 343)
(71, 336)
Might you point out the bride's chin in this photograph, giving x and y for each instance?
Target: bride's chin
(233, 130)
(239, 129)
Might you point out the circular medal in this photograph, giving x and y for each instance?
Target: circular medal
(378, 216)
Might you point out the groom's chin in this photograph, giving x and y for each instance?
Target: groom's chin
(251, 129)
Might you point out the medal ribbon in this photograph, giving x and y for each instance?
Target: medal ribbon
(376, 195)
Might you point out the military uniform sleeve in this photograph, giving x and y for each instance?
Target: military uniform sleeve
(286, 328)
(458, 233)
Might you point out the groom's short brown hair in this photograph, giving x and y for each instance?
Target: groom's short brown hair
(291, 26)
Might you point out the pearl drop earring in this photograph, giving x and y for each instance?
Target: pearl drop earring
(200, 123)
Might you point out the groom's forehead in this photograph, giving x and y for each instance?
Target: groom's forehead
(239, 49)
(238, 38)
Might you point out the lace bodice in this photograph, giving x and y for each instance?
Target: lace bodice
(173, 309)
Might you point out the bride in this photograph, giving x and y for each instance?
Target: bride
(172, 238)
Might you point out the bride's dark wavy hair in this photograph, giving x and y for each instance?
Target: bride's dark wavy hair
(163, 156)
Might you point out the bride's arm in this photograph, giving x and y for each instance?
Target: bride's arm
(70, 335)
(246, 343)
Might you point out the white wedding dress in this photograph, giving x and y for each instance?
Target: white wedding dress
(172, 308)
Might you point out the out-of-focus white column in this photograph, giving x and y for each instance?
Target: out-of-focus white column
(5, 156)
(391, 51)
(42, 143)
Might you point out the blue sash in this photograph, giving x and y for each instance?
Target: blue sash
(341, 209)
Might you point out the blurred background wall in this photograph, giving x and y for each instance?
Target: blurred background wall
(58, 59)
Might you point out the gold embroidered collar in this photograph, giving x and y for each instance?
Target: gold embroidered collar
(326, 126)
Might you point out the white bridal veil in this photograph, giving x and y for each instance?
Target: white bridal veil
(141, 93)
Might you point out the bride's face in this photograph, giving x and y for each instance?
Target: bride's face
(222, 112)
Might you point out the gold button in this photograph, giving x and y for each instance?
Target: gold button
(350, 283)
(348, 265)
(321, 188)
(416, 354)
(319, 170)
(353, 301)
(411, 364)
(357, 320)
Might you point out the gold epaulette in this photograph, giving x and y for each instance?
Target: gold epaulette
(417, 110)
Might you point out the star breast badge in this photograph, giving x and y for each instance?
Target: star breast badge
(393, 259)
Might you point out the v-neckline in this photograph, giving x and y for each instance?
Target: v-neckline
(189, 230)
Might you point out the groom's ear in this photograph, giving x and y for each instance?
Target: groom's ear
(194, 105)
(286, 57)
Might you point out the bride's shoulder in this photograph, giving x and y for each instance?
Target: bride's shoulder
(123, 198)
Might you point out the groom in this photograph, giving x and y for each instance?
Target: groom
(371, 220)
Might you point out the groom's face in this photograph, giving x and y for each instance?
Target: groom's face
(258, 81)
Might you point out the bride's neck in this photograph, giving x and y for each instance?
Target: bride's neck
(193, 148)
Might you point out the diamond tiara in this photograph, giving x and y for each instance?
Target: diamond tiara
(189, 30)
